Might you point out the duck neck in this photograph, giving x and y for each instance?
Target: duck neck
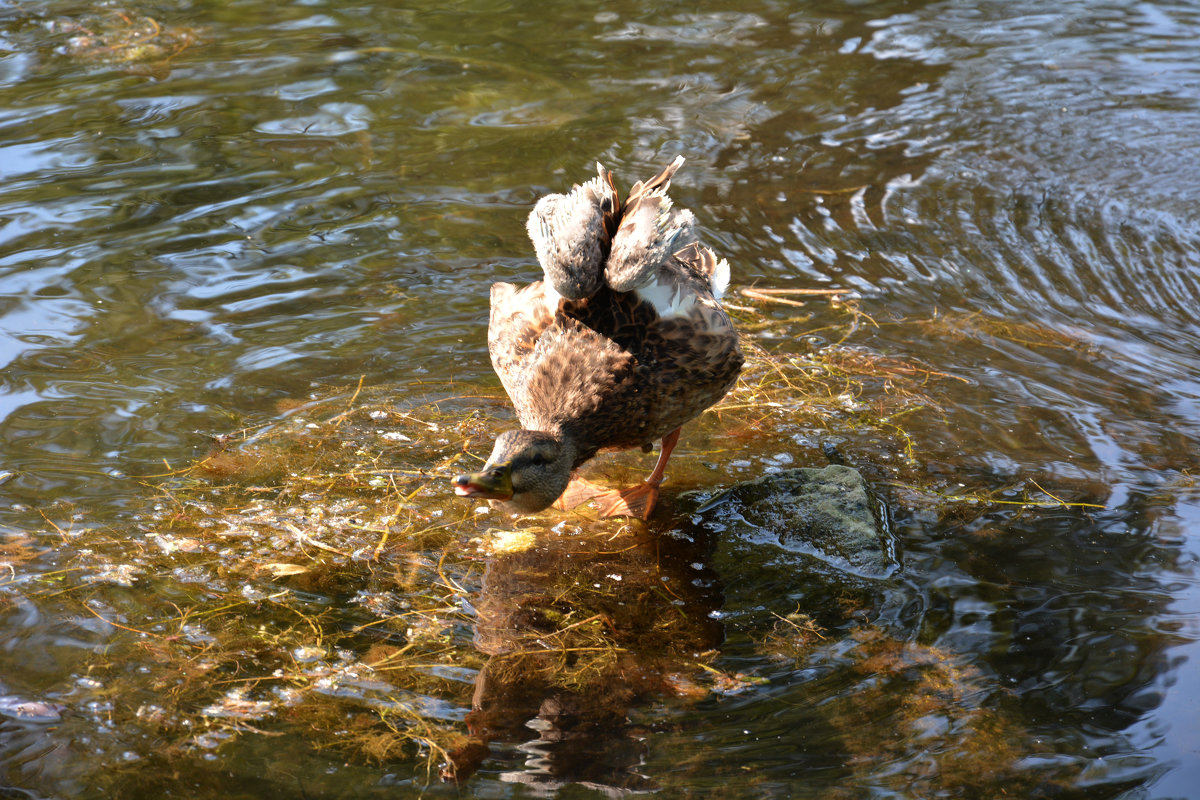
(568, 452)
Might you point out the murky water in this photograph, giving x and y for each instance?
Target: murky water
(212, 214)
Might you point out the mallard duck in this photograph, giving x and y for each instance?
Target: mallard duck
(622, 343)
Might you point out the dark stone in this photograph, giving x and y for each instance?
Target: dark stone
(828, 514)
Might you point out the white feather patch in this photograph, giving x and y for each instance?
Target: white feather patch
(667, 300)
(719, 281)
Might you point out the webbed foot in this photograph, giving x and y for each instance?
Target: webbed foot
(636, 501)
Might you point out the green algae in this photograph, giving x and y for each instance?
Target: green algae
(314, 584)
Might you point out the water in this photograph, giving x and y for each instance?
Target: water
(212, 214)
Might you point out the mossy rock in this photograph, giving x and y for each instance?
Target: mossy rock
(828, 514)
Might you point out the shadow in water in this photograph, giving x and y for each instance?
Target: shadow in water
(577, 628)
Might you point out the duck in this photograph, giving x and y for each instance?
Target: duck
(621, 343)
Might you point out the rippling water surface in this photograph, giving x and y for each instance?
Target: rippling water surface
(213, 213)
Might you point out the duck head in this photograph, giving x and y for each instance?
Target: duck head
(527, 471)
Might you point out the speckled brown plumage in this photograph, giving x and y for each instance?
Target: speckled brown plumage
(613, 369)
(607, 368)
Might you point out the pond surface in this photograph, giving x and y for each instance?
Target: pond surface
(277, 223)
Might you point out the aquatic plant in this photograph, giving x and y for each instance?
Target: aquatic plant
(311, 582)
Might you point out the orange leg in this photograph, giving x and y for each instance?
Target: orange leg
(668, 446)
(638, 501)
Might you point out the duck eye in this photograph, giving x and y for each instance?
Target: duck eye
(538, 460)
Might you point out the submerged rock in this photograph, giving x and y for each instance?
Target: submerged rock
(828, 514)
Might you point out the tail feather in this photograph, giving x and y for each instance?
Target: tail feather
(659, 184)
(705, 265)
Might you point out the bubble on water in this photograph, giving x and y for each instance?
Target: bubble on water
(305, 654)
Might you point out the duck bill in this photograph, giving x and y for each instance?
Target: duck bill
(493, 483)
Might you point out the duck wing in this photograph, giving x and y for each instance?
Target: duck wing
(650, 230)
(698, 268)
(572, 234)
(558, 370)
(518, 318)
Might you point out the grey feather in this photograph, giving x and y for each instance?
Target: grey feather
(571, 236)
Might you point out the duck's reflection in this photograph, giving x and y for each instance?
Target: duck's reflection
(578, 628)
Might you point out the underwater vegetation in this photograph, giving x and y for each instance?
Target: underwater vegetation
(309, 585)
